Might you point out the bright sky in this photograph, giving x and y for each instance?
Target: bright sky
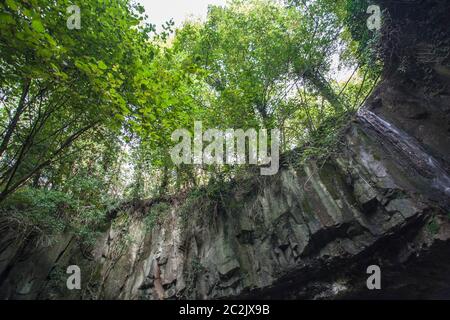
(160, 11)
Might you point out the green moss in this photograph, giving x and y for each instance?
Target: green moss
(197, 267)
(156, 215)
(433, 226)
(57, 279)
(307, 207)
(121, 220)
(328, 175)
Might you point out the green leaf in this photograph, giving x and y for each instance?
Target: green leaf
(102, 65)
(6, 19)
(37, 26)
(12, 4)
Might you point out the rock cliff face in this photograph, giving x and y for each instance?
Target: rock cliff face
(310, 231)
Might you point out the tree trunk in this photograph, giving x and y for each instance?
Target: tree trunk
(13, 124)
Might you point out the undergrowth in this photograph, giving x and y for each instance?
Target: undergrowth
(217, 195)
(324, 141)
(156, 215)
(49, 213)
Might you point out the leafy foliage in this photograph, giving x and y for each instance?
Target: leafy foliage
(87, 115)
(155, 215)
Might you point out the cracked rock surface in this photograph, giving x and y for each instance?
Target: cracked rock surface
(307, 232)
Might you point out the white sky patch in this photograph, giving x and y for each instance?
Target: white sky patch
(160, 11)
(342, 73)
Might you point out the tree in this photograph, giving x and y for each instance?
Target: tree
(58, 84)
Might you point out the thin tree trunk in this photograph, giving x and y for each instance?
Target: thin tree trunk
(164, 182)
(9, 189)
(325, 90)
(13, 124)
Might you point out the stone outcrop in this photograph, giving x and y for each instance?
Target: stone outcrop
(311, 231)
